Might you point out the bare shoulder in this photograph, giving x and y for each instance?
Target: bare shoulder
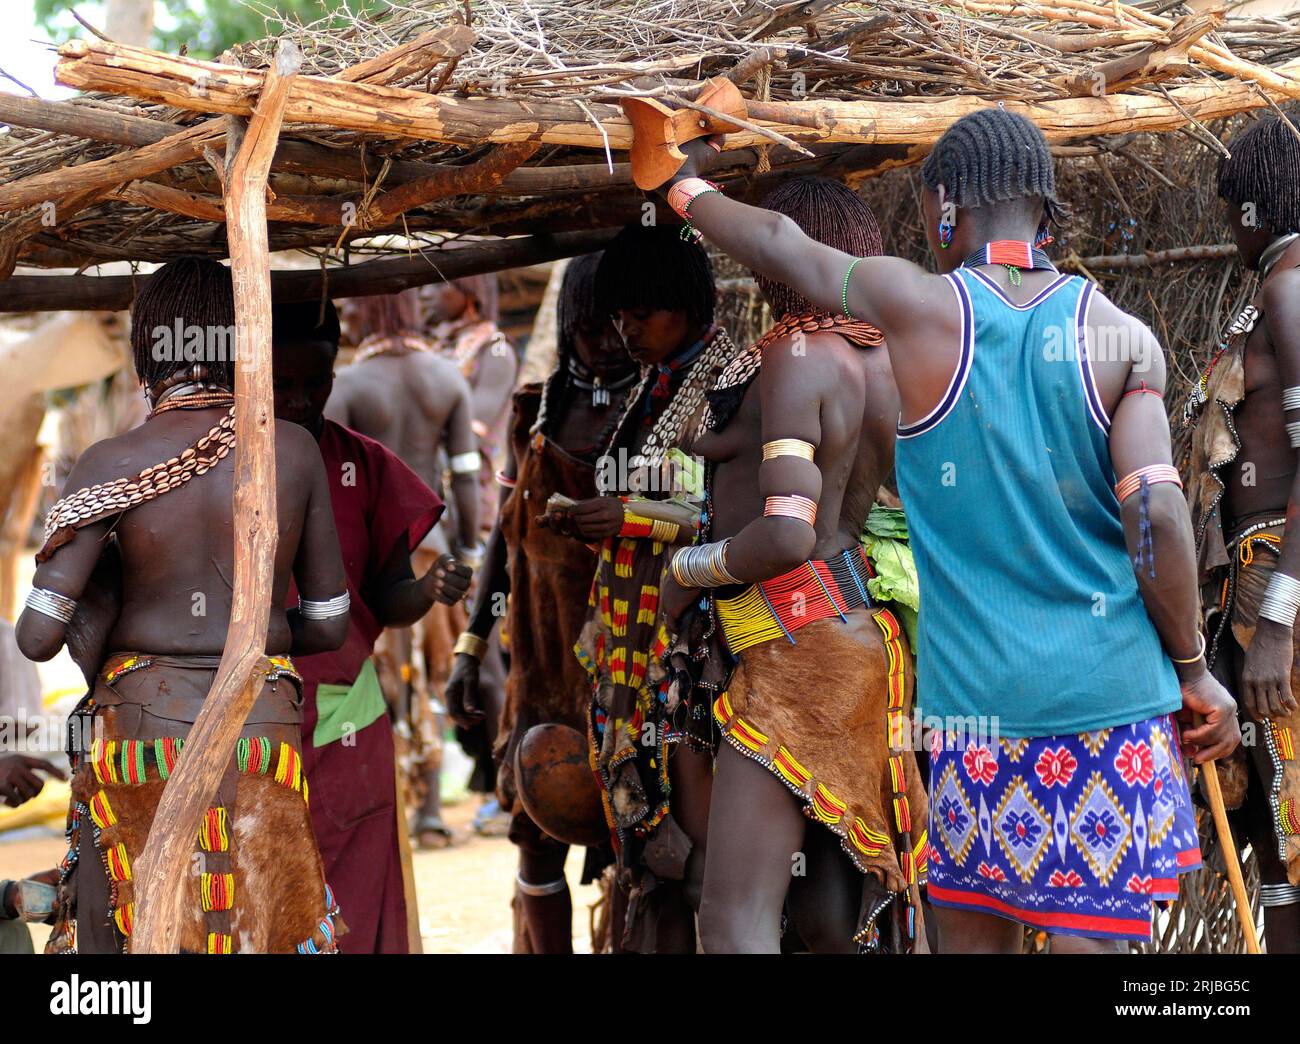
(349, 377)
(295, 443)
(435, 365)
(106, 460)
(818, 363)
(1280, 299)
(1110, 324)
(439, 376)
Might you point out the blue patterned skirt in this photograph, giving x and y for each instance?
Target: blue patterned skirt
(1075, 834)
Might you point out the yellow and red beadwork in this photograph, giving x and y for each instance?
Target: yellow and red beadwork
(778, 607)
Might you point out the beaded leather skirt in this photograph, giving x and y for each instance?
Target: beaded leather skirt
(257, 881)
(825, 707)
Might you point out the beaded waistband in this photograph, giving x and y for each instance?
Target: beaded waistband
(778, 607)
(125, 663)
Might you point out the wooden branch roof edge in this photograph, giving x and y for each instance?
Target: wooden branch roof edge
(208, 87)
(26, 293)
(515, 153)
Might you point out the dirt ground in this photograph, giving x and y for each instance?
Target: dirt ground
(464, 891)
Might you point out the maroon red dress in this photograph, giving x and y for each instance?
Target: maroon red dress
(377, 501)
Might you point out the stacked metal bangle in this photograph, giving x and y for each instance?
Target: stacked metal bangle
(704, 565)
(1281, 599)
(1153, 474)
(1278, 894)
(470, 644)
(52, 604)
(794, 506)
(326, 610)
(788, 448)
(1291, 397)
(1293, 433)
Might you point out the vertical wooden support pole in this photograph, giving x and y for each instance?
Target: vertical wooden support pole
(164, 886)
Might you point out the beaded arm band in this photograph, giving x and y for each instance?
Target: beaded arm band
(51, 604)
(1281, 599)
(680, 197)
(683, 193)
(844, 290)
(466, 463)
(704, 565)
(793, 506)
(1153, 474)
(788, 448)
(639, 526)
(326, 610)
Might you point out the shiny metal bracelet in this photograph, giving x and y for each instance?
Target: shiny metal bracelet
(326, 610)
(704, 565)
(1281, 599)
(470, 644)
(537, 890)
(466, 463)
(1278, 894)
(788, 448)
(51, 604)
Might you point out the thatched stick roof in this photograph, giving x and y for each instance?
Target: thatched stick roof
(419, 124)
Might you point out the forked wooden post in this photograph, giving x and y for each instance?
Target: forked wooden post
(164, 885)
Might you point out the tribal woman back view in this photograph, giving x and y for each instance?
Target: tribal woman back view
(136, 576)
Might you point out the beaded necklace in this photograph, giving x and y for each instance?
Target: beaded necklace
(1011, 254)
(583, 377)
(385, 344)
(205, 397)
(742, 368)
(91, 503)
(1243, 325)
(717, 352)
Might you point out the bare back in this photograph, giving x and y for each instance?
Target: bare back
(178, 550)
(852, 391)
(412, 403)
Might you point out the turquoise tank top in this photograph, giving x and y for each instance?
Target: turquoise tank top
(1031, 621)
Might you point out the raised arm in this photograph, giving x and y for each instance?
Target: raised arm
(881, 290)
(1271, 656)
(317, 624)
(1165, 562)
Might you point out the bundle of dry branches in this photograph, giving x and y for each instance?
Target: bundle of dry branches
(443, 119)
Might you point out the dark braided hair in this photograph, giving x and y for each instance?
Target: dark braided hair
(1264, 169)
(652, 267)
(829, 212)
(992, 156)
(389, 315)
(575, 307)
(192, 299)
(577, 302)
(302, 321)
